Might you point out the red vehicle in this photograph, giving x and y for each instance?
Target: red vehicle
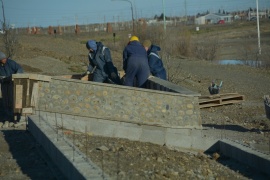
(221, 22)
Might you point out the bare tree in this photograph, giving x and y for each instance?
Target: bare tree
(174, 69)
(206, 49)
(9, 38)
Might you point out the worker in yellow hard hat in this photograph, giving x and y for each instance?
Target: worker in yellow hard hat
(135, 63)
(133, 38)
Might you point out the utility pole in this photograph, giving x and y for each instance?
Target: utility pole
(164, 16)
(4, 17)
(258, 28)
(186, 11)
(131, 5)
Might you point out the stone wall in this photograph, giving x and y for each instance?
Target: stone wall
(119, 103)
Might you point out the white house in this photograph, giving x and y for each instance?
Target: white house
(200, 20)
(213, 18)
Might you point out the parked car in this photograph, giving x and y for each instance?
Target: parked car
(253, 19)
(221, 22)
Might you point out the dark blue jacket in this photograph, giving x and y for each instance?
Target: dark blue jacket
(155, 63)
(102, 62)
(135, 64)
(9, 68)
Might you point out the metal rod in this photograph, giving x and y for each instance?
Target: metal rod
(102, 164)
(73, 143)
(86, 141)
(258, 28)
(56, 126)
(117, 165)
(62, 124)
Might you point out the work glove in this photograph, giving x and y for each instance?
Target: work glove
(86, 73)
(113, 75)
(2, 79)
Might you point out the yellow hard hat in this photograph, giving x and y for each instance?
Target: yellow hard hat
(134, 38)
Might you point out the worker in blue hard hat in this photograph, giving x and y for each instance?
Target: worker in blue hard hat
(100, 63)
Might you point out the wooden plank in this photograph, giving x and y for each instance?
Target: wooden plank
(44, 78)
(121, 74)
(84, 78)
(18, 96)
(232, 99)
(209, 100)
(20, 76)
(27, 110)
(231, 96)
(34, 97)
(208, 105)
(231, 102)
(209, 97)
(27, 93)
(217, 96)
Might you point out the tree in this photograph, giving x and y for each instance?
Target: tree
(9, 38)
(161, 17)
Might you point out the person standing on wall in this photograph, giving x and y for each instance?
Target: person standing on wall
(100, 63)
(7, 68)
(135, 63)
(155, 63)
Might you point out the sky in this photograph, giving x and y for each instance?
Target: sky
(42, 13)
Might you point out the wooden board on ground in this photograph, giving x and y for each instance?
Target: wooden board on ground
(18, 96)
(220, 99)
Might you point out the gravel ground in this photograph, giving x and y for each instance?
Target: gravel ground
(22, 158)
(123, 159)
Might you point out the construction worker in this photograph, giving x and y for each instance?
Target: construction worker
(100, 63)
(135, 63)
(7, 68)
(155, 63)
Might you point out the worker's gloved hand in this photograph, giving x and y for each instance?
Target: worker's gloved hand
(113, 75)
(86, 73)
(2, 79)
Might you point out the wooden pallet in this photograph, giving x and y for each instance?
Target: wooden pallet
(220, 99)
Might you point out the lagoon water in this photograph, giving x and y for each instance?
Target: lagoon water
(252, 63)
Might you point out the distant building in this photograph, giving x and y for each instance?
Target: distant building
(200, 20)
(254, 14)
(213, 18)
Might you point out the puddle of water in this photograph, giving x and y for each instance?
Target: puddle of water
(241, 62)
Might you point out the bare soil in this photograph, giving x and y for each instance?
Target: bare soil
(247, 122)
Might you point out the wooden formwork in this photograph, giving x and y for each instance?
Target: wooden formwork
(220, 99)
(25, 90)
